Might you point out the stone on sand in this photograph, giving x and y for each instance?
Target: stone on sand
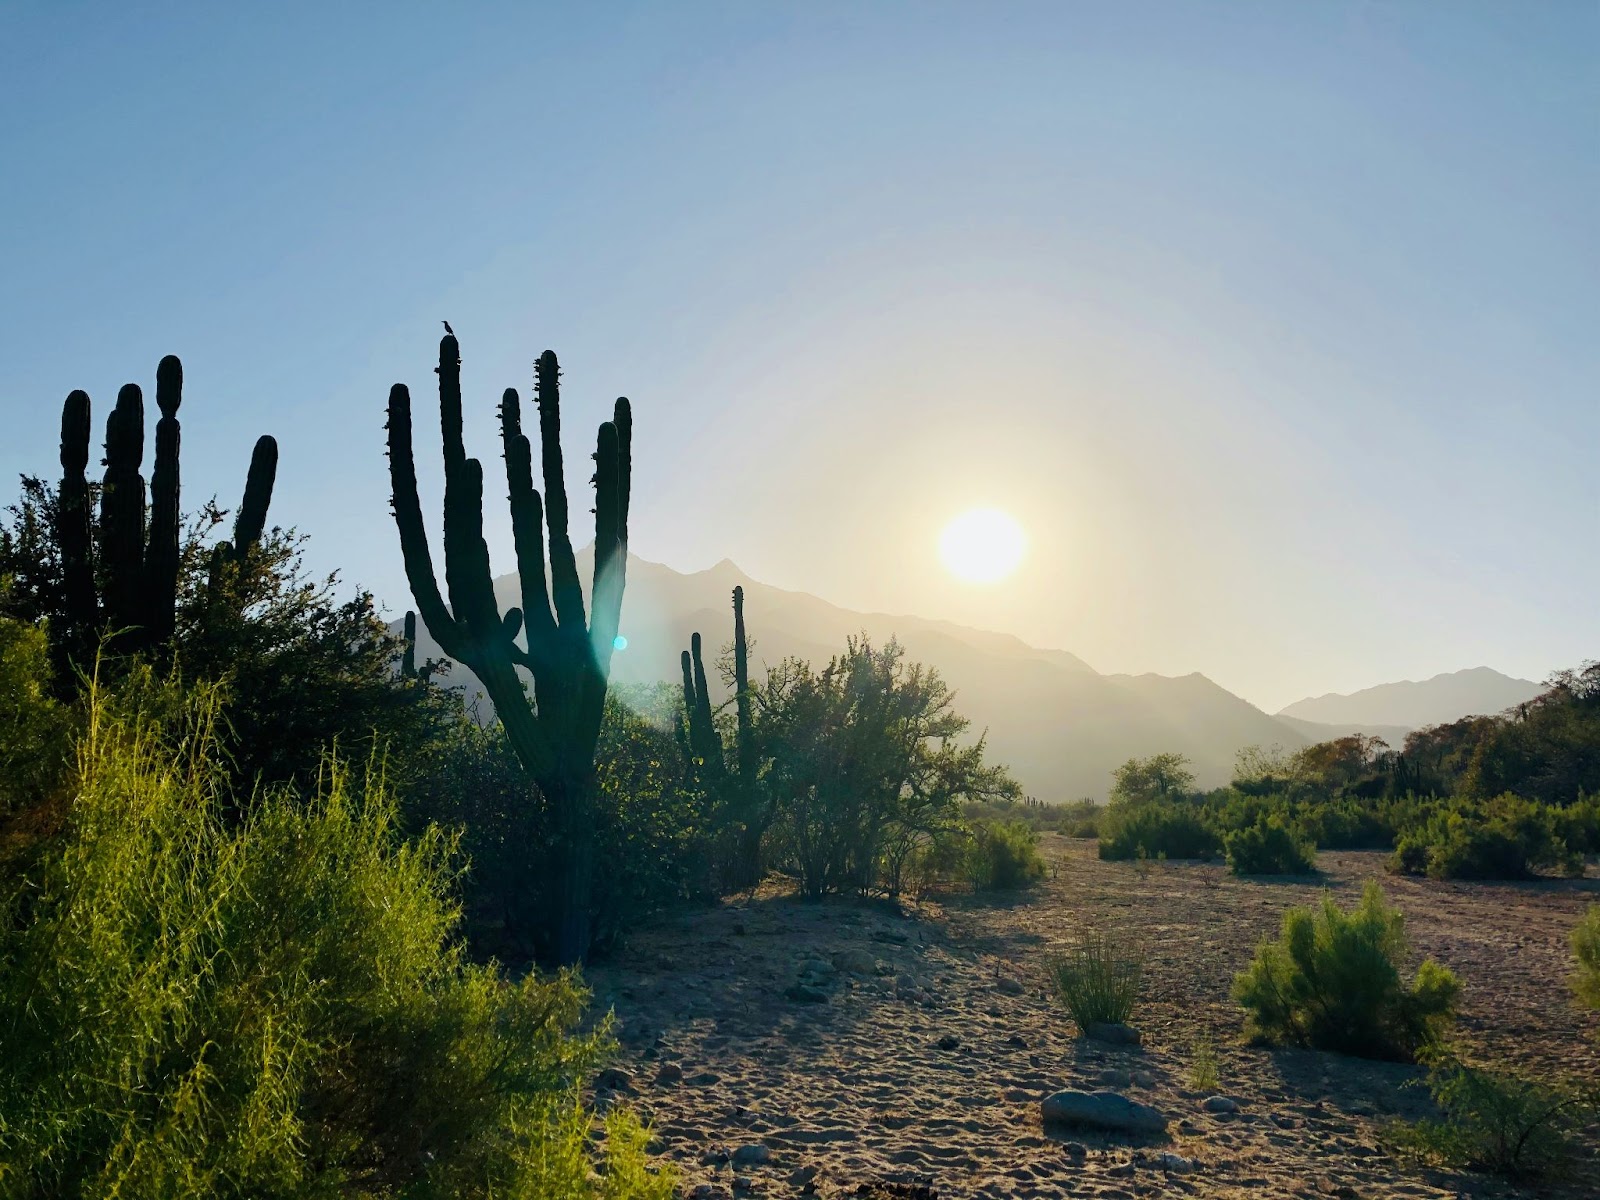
(1101, 1110)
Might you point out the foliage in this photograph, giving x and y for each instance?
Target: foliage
(1159, 777)
(1004, 856)
(1204, 1073)
(863, 765)
(1332, 982)
(1076, 819)
(1505, 838)
(1269, 847)
(1157, 828)
(1497, 1121)
(1586, 950)
(279, 1007)
(1097, 980)
(34, 727)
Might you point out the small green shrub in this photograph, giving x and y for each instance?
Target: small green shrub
(1004, 856)
(1204, 1073)
(1495, 1121)
(1506, 838)
(1163, 828)
(34, 742)
(1332, 982)
(1586, 949)
(1098, 979)
(272, 1004)
(1269, 847)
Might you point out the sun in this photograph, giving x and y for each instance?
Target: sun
(982, 545)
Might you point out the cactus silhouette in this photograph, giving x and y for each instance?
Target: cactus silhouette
(138, 548)
(408, 656)
(705, 744)
(554, 735)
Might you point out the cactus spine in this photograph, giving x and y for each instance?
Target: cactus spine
(554, 736)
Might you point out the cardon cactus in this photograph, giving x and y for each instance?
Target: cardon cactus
(554, 735)
(138, 549)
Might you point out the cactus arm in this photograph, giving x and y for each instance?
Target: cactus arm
(527, 524)
(606, 593)
(413, 534)
(408, 657)
(564, 587)
(161, 556)
(74, 536)
(122, 511)
(687, 663)
(251, 522)
(741, 693)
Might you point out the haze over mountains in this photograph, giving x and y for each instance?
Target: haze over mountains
(1061, 726)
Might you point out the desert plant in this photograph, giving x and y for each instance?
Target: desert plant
(555, 731)
(1586, 950)
(193, 1007)
(1004, 856)
(1269, 847)
(1097, 980)
(1508, 837)
(1332, 982)
(1496, 1121)
(1169, 828)
(1204, 1073)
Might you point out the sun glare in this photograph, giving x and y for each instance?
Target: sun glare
(982, 546)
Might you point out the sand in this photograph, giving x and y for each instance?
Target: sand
(921, 1073)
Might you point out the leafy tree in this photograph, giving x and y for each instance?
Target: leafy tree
(1160, 777)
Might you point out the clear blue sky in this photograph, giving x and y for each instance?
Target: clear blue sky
(1276, 325)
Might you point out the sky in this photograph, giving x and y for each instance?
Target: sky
(1274, 326)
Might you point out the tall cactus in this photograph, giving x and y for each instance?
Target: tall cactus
(408, 656)
(705, 744)
(555, 734)
(138, 545)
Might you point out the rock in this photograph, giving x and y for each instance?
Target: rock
(713, 1156)
(1121, 1169)
(1114, 1078)
(710, 1191)
(805, 993)
(855, 961)
(753, 1155)
(703, 1079)
(1176, 1164)
(1144, 1079)
(1113, 1033)
(1220, 1104)
(949, 1042)
(614, 1079)
(1101, 1110)
(1076, 1150)
(802, 1176)
(890, 935)
(1008, 985)
(744, 1183)
(818, 968)
(669, 1074)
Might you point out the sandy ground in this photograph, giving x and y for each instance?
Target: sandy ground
(921, 1073)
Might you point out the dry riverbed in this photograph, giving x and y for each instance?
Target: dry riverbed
(853, 1049)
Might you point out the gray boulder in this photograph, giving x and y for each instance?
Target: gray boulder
(1101, 1110)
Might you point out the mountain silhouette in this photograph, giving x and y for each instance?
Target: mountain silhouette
(1058, 724)
(1478, 691)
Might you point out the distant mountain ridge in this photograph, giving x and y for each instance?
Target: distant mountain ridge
(1061, 726)
(1413, 704)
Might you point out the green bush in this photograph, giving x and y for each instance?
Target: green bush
(1004, 856)
(1098, 979)
(1160, 828)
(1496, 1121)
(1586, 949)
(34, 742)
(271, 1006)
(1269, 848)
(1332, 982)
(1505, 838)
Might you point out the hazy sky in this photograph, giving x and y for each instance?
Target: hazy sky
(1276, 325)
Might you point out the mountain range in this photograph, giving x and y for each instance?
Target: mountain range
(1061, 726)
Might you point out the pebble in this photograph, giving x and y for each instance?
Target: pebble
(753, 1155)
(1008, 985)
(1220, 1104)
(949, 1042)
(669, 1074)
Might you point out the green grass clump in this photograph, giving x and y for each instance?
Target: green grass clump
(1004, 856)
(272, 1004)
(1098, 979)
(1332, 982)
(1586, 949)
(1204, 1072)
(1269, 847)
(1496, 1121)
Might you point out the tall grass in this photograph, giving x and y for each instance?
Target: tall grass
(197, 1007)
(1098, 978)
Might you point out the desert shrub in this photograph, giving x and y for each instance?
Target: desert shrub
(1204, 1073)
(1586, 949)
(1004, 856)
(1332, 982)
(1269, 847)
(34, 727)
(1506, 838)
(1160, 828)
(1496, 1121)
(273, 1006)
(1097, 980)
